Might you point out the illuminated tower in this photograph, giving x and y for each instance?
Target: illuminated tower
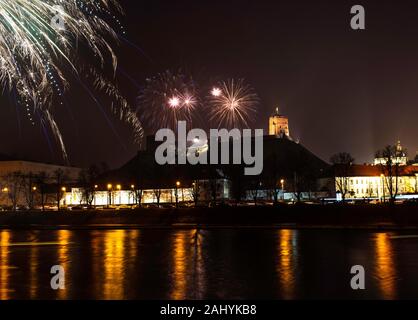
(279, 125)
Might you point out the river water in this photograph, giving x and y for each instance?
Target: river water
(208, 264)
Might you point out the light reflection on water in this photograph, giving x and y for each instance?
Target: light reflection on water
(188, 270)
(64, 240)
(287, 253)
(385, 270)
(113, 264)
(181, 242)
(33, 272)
(114, 253)
(4, 265)
(199, 264)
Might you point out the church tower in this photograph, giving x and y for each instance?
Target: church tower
(279, 125)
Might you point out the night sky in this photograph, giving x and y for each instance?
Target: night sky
(343, 90)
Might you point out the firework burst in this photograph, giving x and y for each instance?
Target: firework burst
(166, 99)
(233, 104)
(37, 55)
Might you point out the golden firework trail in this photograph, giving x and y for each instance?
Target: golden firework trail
(38, 50)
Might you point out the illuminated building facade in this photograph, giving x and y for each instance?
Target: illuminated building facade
(368, 182)
(400, 159)
(279, 125)
(119, 195)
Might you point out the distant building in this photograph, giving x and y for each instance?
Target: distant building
(279, 125)
(415, 161)
(143, 181)
(367, 181)
(19, 182)
(26, 167)
(125, 194)
(400, 159)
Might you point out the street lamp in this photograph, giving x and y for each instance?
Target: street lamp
(109, 196)
(177, 193)
(5, 190)
(134, 194)
(64, 190)
(119, 188)
(282, 184)
(383, 187)
(94, 194)
(32, 197)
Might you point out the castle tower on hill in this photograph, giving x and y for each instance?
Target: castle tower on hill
(279, 125)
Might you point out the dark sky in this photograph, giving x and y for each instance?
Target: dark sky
(343, 90)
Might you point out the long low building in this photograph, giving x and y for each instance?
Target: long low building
(369, 181)
(119, 195)
(29, 184)
(26, 167)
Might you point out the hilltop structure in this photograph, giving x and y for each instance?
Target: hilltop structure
(279, 125)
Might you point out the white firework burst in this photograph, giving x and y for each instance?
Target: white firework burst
(233, 104)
